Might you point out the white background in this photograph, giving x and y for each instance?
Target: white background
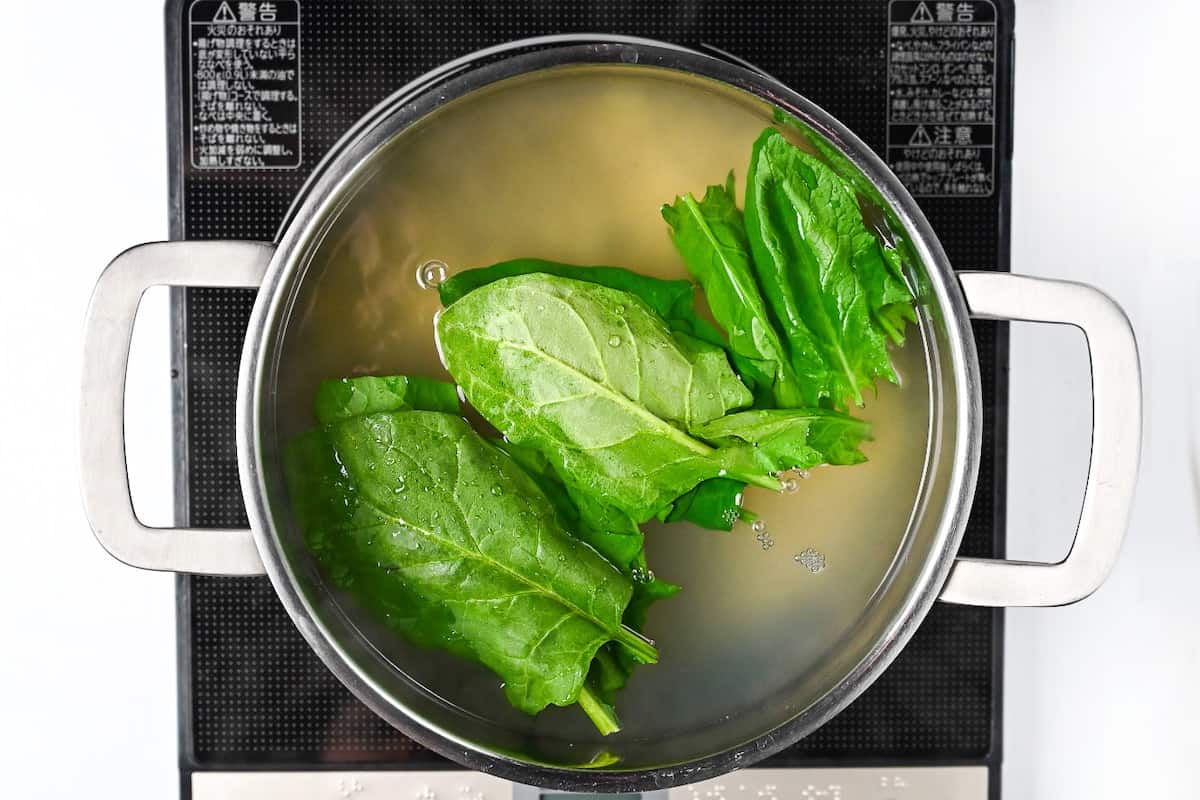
(1102, 699)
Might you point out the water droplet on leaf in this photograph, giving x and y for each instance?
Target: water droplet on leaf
(614, 341)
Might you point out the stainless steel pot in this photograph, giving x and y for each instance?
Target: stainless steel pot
(926, 571)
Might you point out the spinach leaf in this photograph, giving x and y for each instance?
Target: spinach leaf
(673, 300)
(711, 237)
(615, 536)
(349, 397)
(326, 504)
(592, 378)
(889, 295)
(470, 544)
(778, 439)
(669, 299)
(645, 594)
(890, 298)
(803, 224)
(715, 504)
(607, 529)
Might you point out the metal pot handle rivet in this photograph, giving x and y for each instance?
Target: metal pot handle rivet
(1116, 443)
(107, 334)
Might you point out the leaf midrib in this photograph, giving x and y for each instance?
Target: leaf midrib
(832, 337)
(635, 409)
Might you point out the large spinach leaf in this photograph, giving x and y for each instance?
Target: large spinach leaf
(711, 237)
(673, 300)
(595, 381)
(615, 536)
(805, 230)
(714, 503)
(467, 548)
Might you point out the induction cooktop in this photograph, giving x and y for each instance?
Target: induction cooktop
(928, 85)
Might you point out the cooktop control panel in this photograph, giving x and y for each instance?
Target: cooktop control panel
(858, 783)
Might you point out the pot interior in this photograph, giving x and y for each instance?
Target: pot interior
(572, 164)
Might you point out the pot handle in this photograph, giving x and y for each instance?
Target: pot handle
(1116, 443)
(107, 333)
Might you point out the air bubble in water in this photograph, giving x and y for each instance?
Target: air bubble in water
(810, 558)
(614, 341)
(640, 575)
(431, 274)
(758, 526)
(497, 490)
(789, 485)
(620, 310)
(803, 474)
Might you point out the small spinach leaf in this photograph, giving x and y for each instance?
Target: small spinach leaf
(778, 439)
(711, 237)
(715, 504)
(606, 528)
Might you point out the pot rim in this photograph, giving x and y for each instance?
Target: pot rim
(316, 204)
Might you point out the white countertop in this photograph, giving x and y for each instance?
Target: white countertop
(1102, 699)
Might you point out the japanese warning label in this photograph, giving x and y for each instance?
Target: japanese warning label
(942, 96)
(245, 84)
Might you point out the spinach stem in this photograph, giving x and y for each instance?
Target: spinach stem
(747, 516)
(760, 480)
(600, 713)
(641, 648)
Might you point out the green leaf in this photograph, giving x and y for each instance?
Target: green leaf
(459, 530)
(326, 504)
(606, 528)
(350, 397)
(645, 594)
(711, 237)
(668, 299)
(595, 381)
(889, 295)
(776, 440)
(715, 504)
(673, 300)
(805, 229)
